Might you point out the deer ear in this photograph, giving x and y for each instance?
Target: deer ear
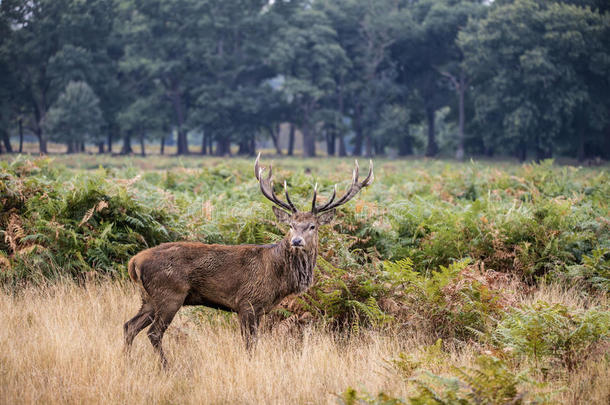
(325, 217)
(280, 214)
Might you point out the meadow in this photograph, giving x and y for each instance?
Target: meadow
(442, 282)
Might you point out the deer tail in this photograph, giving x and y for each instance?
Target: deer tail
(133, 270)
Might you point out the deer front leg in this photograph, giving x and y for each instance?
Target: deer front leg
(248, 322)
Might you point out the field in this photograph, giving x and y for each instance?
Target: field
(441, 283)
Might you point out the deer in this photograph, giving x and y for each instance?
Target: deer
(247, 279)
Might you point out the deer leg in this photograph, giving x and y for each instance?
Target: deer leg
(143, 318)
(162, 319)
(248, 321)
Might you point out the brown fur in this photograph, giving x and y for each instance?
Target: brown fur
(247, 279)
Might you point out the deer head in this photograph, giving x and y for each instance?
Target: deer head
(304, 225)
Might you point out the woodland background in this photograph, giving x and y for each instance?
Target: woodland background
(525, 78)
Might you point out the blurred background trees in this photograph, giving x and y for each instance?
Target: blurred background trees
(523, 78)
(75, 118)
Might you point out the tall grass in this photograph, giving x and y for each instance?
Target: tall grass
(62, 343)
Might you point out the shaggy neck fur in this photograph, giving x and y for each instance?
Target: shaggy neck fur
(297, 266)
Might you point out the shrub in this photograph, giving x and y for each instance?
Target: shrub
(346, 299)
(594, 270)
(431, 356)
(552, 333)
(53, 227)
(490, 382)
(454, 302)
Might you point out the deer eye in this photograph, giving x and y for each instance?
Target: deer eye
(312, 227)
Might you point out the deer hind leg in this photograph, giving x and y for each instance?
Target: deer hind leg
(163, 317)
(248, 322)
(143, 318)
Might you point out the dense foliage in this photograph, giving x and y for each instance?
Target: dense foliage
(443, 251)
(526, 78)
(420, 227)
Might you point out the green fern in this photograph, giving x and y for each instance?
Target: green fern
(550, 333)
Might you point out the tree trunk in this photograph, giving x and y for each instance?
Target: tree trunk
(7, 142)
(223, 147)
(291, 140)
(109, 140)
(274, 133)
(368, 146)
(126, 149)
(100, 148)
(71, 147)
(405, 146)
(378, 148)
(204, 144)
(432, 148)
(330, 142)
(244, 147)
(142, 146)
(309, 140)
(459, 153)
(252, 145)
(339, 126)
(20, 135)
(183, 147)
(359, 137)
(342, 149)
(40, 112)
(42, 142)
(42, 146)
(163, 145)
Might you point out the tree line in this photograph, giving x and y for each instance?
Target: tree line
(528, 78)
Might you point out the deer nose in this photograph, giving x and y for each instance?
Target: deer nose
(297, 241)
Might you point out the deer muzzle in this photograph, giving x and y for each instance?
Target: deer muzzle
(297, 242)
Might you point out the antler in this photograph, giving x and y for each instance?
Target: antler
(349, 194)
(266, 185)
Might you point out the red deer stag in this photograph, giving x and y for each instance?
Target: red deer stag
(247, 279)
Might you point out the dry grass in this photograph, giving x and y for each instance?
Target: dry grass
(63, 344)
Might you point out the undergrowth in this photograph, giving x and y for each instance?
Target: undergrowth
(443, 251)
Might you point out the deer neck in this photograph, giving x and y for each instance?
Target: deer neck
(295, 266)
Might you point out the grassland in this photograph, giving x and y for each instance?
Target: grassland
(462, 283)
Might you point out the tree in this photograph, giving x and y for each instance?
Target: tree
(51, 43)
(540, 74)
(233, 77)
(426, 54)
(307, 54)
(163, 41)
(10, 92)
(366, 31)
(75, 118)
(147, 117)
(453, 17)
